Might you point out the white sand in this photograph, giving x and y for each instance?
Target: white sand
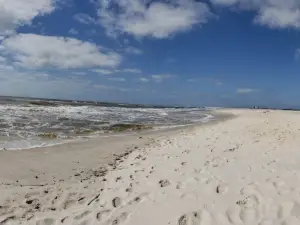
(242, 171)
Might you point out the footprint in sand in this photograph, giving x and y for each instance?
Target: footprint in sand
(179, 185)
(233, 215)
(82, 215)
(249, 215)
(189, 219)
(116, 202)
(202, 217)
(120, 219)
(103, 215)
(222, 188)
(164, 183)
(7, 220)
(139, 199)
(253, 196)
(255, 209)
(65, 200)
(281, 188)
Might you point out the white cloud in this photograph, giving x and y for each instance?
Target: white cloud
(272, 13)
(36, 51)
(14, 13)
(162, 77)
(36, 84)
(130, 70)
(111, 71)
(145, 80)
(73, 31)
(25, 83)
(133, 50)
(103, 71)
(84, 18)
(242, 91)
(153, 19)
(118, 79)
(279, 17)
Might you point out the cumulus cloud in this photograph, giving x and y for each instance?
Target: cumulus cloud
(243, 91)
(279, 17)
(161, 77)
(14, 13)
(272, 13)
(37, 51)
(151, 18)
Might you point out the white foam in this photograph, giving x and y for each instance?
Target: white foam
(27, 144)
(24, 124)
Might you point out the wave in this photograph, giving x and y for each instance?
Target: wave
(25, 126)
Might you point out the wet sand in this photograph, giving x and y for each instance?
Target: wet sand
(62, 161)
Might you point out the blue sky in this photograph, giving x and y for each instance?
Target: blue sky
(186, 52)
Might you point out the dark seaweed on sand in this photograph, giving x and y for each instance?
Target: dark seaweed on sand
(128, 127)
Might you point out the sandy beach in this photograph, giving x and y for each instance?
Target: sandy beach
(242, 170)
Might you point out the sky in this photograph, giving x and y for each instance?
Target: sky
(235, 53)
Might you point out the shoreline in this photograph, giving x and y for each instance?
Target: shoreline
(79, 138)
(58, 162)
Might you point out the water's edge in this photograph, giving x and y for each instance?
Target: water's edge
(213, 117)
(27, 126)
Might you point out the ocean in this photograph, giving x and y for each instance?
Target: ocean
(29, 123)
